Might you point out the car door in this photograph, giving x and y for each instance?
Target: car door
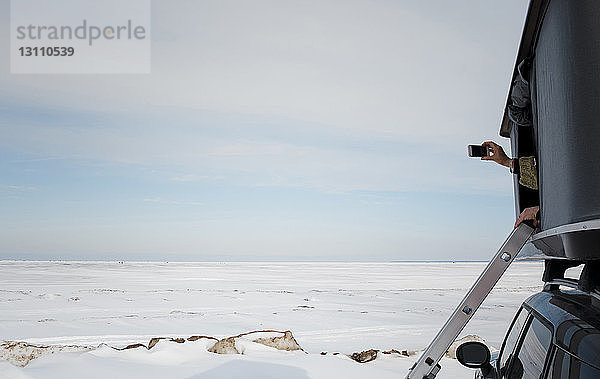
(525, 351)
(529, 359)
(578, 360)
(511, 340)
(567, 366)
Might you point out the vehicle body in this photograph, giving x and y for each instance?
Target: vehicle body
(555, 334)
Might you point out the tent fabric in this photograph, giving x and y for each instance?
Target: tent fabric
(567, 103)
(567, 59)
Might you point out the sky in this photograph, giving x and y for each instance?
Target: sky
(269, 130)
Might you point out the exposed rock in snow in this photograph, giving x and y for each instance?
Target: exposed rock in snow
(285, 342)
(404, 353)
(224, 346)
(364, 356)
(154, 341)
(195, 338)
(271, 338)
(132, 346)
(21, 353)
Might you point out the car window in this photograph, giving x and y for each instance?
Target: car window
(585, 371)
(530, 358)
(566, 366)
(587, 345)
(512, 338)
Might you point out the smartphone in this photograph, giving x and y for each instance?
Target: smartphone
(478, 151)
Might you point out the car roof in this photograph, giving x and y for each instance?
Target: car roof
(575, 317)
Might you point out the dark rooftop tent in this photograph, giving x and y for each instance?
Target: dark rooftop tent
(553, 114)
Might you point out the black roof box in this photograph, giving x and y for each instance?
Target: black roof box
(561, 44)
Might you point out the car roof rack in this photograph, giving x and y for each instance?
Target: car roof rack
(555, 284)
(554, 276)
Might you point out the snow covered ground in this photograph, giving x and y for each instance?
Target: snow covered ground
(329, 307)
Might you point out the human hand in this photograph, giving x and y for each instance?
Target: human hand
(529, 214)
(495, 153)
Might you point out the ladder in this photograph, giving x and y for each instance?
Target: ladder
(428, 366)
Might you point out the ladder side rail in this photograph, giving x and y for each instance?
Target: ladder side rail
(427, 365)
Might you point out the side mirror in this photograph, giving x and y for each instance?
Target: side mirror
(473, 355)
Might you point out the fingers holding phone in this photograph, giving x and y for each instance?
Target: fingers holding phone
(492, 152)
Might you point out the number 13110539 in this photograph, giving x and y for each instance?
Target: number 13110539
(55, 51)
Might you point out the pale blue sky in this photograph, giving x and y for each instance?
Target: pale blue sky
(269, 130)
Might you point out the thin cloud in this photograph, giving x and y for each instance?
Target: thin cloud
(17, 188)
(158, 200)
